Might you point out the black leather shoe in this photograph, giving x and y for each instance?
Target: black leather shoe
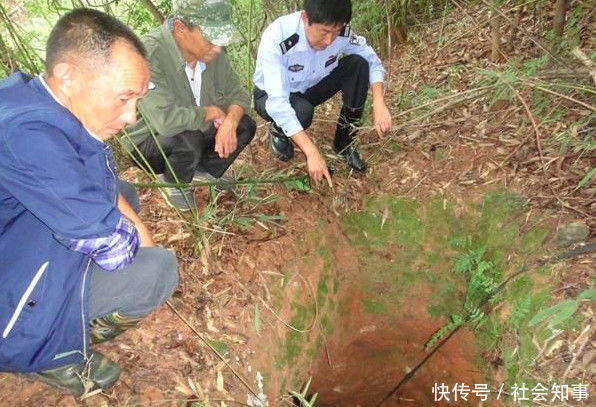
(281, 145)
(353, 159)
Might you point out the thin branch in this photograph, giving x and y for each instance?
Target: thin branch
(552, 92)
(539, 147)
(206, 342)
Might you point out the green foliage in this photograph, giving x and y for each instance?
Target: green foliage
(302, 396)
(374, 307)
(295, 341)
(531, 66)
(520, 312)
(561, 312)
(455, 321)
(577, 137)
(139, 18)
(300, 185)
(587, 179)
(219, 346)
(575, 25)
(556, 314)
(481, 280)
(381, 21)
(588, 295)
(503, 82)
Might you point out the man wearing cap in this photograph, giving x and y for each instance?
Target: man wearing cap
(304, 59)
(195, 115)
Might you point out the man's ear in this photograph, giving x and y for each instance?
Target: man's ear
(305, 18)
(179, 27)
(67, 77)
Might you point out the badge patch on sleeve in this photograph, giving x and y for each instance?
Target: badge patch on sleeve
(288, 43)
(346, 31)
(330, 60)
(296, 68)
(356, 40)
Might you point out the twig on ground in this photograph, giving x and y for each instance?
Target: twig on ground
(206, 342)
(590, 331)
(280, 319)
(539, 147)
(552, 92)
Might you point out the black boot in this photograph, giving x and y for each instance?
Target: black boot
(344, 142)
(98, 372)
(281, 145)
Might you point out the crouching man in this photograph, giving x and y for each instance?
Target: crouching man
(303, 60)
(77, 265)
(197, 110)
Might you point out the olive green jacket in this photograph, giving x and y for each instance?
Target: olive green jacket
(170, 107)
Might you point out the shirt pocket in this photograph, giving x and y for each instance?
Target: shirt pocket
(297, 70)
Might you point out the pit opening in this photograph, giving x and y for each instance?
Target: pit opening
(389, 281)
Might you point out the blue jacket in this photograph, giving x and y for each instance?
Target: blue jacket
(55, 180)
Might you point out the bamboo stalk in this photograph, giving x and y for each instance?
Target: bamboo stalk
(248, 181)
(552, 92)
(249, 58)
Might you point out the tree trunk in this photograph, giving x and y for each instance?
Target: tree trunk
(514, 28)
(153, 10)
(495, 20)
(559, 19)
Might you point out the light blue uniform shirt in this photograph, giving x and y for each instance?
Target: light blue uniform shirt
(286, 64)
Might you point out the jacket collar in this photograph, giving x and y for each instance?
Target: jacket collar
(303, 44)
(48, 90)
(171, 46)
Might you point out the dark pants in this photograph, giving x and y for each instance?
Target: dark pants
(351, 77)
(139, 288)
(193, 150)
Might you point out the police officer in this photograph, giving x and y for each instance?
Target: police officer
(303, 60)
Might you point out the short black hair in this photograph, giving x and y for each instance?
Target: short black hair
(88, 35)
(328, 11)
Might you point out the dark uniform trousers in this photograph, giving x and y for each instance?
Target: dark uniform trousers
(193, 150)
(351, 77)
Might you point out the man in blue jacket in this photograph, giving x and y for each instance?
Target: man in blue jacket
(77, 265)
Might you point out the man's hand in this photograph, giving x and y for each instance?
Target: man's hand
(317, 168)
(144, 235)
(381, 114)
(226, 140)
(213, 113)
(128, 211)
(382, 118)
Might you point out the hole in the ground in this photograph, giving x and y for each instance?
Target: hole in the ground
(386, 281)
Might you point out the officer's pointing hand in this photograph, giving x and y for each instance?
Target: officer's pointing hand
(382, 118)
(317, 168)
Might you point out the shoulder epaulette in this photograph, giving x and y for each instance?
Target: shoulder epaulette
(346, 31)
(289, 42)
